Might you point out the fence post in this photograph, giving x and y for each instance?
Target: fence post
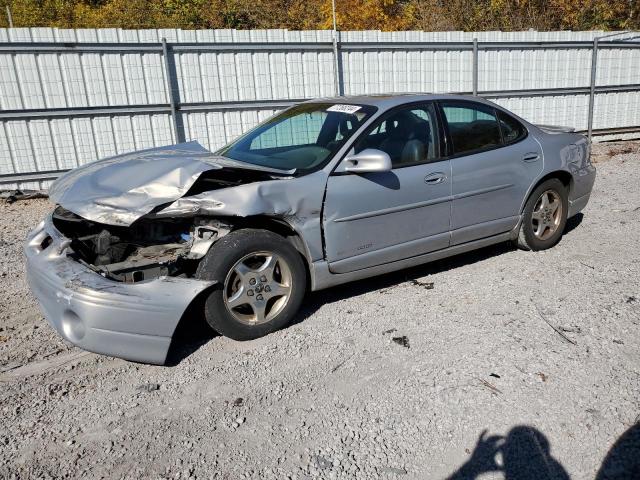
(337, 64)
(475, 66)
(592, 90)
(172, 88)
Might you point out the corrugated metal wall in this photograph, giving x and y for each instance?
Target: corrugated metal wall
(78, 80)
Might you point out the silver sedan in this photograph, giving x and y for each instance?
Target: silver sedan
(326, 192)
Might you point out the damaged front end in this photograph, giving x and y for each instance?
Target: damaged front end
(114, 266)
(91, 309)
(148, 249)
(111, 210)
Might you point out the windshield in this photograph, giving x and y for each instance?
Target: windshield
(303, 137)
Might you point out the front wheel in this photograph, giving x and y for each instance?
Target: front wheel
(262, 282)
(544, 216)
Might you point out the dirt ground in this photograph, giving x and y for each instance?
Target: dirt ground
(515, 365)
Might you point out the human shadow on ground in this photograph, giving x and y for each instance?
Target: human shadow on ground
(525, 454)
(623, 459)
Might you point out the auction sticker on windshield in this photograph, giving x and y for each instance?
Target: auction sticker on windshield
(344, 108)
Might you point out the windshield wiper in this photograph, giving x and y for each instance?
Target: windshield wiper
(233, 163)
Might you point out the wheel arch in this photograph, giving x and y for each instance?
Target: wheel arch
(565, 177)
(279, 226)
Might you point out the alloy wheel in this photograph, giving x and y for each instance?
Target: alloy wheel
(257, 287)
(547, 214)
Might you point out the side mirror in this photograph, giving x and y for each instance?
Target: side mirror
(368, 160)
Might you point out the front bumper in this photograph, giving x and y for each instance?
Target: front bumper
(132, 321)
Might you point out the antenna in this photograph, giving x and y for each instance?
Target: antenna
(333, 11)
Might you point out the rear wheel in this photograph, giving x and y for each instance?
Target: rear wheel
(262, 282)
(544, 216)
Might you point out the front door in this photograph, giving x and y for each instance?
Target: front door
(375, 218)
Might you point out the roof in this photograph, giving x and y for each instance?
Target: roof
(385, 101)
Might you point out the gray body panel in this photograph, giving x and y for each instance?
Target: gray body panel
(350, 226)
(402, 217)
(488, 188)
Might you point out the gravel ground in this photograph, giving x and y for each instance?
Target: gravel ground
(335, 396)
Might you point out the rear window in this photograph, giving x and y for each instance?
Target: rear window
(472, 126)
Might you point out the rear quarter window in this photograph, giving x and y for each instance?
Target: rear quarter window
(512, 130)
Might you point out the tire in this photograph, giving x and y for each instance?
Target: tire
(262, 282)
(542, 225)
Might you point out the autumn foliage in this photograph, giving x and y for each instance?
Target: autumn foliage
(389, 15)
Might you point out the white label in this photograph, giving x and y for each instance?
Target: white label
(344, 108)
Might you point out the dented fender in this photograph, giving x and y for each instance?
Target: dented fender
(297, 201)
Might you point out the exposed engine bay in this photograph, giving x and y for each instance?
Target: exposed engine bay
(149, 248)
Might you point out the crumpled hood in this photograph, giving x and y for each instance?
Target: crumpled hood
(119, 190)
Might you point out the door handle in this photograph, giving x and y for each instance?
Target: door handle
(530, 157)
(435, 178)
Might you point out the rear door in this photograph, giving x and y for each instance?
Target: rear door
(493, 163)
(375, 218)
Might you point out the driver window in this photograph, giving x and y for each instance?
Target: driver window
(408, 136)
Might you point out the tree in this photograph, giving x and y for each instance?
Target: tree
(428, 15)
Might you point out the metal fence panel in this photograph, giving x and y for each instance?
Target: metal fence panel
(110, 91)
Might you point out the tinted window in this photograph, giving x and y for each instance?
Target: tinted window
(471, 126)
(408, 136)
(512, 130)
(304, 137)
